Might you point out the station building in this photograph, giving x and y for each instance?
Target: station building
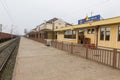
(46, 29)
(104, 33)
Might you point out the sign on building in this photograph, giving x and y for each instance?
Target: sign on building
(90, 19)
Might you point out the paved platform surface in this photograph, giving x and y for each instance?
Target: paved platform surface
(38, 62)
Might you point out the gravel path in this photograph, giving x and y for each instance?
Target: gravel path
(38, 62)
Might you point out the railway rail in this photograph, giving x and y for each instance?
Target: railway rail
(6, 51)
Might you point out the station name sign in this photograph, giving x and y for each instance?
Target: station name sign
(89, 19)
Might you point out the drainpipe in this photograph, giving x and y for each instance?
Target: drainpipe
(77, 32)
(97, 36)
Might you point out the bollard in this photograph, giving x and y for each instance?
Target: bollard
(62, 45)
(55, 44)
(86, 52)
(71, 48)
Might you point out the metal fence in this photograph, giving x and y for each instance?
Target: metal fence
(39, 40)
(107, 56)
(110, 57)
(62, 46)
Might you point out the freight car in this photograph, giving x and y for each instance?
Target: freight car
(5, 37)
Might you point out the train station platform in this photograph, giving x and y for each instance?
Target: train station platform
(36, 61)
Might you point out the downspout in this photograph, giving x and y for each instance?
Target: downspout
(97, 36)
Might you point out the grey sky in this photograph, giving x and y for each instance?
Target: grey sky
(30, 13)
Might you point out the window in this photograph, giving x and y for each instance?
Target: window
(56, 27)
(118, 33)
(91, 31)
(105, 33)
(70, 34)
(59, 23)
(102, 32)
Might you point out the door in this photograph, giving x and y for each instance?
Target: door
(81, 37)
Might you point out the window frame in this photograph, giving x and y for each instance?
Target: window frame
(91, 31)
(105, 31)
(71, 35)
(56, 27)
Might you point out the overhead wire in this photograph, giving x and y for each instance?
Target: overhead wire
(92, 6)
(6, 8)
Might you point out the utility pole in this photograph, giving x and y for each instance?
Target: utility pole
(0, 27)
(25, 31)
(11, 31)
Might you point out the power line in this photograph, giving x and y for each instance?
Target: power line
(4, 4)
(94, 5)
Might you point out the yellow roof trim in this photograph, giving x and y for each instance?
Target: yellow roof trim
(109, 21)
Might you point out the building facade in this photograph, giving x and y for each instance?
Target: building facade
(104, 33)
(46, 30)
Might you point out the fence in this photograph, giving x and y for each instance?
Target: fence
(62, 46)
(39, 40)
(107, 56)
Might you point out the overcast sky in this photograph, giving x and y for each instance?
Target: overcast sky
(30, 13)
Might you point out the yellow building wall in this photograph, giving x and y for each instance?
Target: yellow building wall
(113, 42)
(118, 45)
(49, 35)
(60, 38)
(91, 36)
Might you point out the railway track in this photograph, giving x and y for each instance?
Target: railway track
(5, 53)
